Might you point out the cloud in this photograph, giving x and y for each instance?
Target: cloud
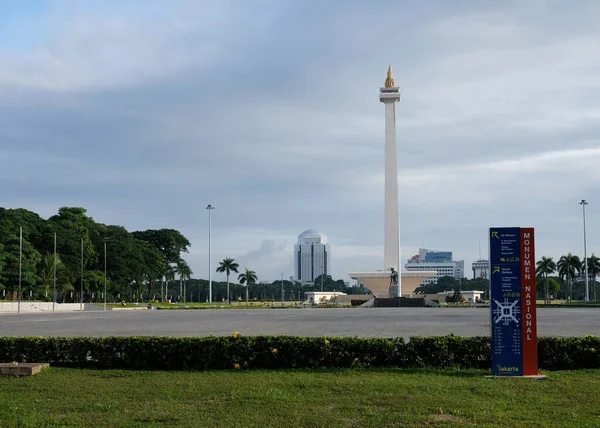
(269, 111)
(99, 46)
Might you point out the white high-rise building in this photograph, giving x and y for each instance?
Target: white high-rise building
(312, 256)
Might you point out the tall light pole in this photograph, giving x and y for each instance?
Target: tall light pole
(81, 283)
(209, 208)
(105, 277)
(20, 266)
(54, 299)
(282, 304)
(583, 203)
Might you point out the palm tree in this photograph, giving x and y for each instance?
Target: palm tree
(569, 267)
(184, 271)
(593, 265)
(228, 265)
(247, 278)
(545, 266)
(46, 275)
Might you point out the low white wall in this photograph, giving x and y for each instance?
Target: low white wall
(38, 307)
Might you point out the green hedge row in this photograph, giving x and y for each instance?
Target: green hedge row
(285, 352)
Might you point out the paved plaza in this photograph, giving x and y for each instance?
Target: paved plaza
(380, 322)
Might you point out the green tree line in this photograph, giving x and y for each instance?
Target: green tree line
(139, 265)
(135, 262)
(448, 283)
(564, 279)
(197, 289)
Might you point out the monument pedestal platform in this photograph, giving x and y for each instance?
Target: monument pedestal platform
(379, 281)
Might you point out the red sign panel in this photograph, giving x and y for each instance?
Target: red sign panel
(528, 297)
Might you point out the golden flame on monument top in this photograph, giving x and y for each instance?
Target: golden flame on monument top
(389, 81)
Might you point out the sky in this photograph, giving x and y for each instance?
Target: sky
(146, 111)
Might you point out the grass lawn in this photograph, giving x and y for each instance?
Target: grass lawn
(333, 398)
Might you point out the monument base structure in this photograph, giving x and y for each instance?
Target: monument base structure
(379, 282)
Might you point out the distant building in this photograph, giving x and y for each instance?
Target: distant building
(312, 256)
(469, 296)
(320, 297)
(480, 268)
(434, 256)
(439, 261)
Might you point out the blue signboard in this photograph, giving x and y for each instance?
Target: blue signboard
(505, 301)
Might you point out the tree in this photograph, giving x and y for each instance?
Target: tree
(122, 256)
(46, 276)
(455, 298)
(137, 267)
(71, 225)
(448, 283)
(184, 271)
(153, 263)
(553, 286)
(93, 283)
(29, 261)
(442, 284)
(569, 267)
(228, 265)
(171, 243)
(2, 259)
(33, 227)
(247, 278)
(593, 265)
(545, 266)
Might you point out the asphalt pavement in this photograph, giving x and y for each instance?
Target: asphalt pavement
(363, 322)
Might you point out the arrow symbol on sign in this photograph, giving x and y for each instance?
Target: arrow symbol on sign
(496, 269)
(494, 234)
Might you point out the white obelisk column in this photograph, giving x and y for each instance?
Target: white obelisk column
(389, 95)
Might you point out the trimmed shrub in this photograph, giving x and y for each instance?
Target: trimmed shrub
(450, 351)
(285, 352)
(569, 353)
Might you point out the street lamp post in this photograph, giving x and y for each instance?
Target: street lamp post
(282, 304)
(55, 256)
(105, 277)
(209, 208)
(20, 266)
(583, 203)
(81, 280)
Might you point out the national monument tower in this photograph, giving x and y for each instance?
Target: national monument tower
(379, 282)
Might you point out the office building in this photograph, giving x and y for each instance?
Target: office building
(312, 256)
(439, 261)
(434, 256)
